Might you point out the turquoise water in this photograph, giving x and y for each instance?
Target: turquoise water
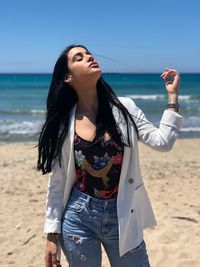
(23, 101)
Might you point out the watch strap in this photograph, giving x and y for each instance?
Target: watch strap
(176, 106)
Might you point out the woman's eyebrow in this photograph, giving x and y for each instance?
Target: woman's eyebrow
(80, 54)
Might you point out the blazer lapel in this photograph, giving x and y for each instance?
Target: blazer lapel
(122, 125)
(68, 157)
(120, 122)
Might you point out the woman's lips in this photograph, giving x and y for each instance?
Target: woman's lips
(94, 65)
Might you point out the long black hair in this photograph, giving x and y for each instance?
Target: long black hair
(60, 100)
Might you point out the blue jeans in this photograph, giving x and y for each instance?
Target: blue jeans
(87, 223)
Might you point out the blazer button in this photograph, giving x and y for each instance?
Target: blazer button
(130, 180)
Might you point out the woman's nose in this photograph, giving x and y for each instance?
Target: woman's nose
(90, 58)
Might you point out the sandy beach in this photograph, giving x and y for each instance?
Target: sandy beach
(172, 180)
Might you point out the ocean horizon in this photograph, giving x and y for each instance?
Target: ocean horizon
(23, 101)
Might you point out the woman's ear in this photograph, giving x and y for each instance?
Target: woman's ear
(68, 78)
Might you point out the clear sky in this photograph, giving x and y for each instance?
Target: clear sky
(124, 35)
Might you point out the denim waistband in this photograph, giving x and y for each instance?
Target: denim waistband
(77, 194)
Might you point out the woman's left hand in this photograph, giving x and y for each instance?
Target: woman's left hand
(172, 81)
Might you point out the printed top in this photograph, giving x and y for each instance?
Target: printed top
(98, 167)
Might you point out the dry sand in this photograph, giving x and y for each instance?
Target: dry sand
(173, 183)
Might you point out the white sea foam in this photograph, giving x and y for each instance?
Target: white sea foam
(15, 129)
(190, 129)
(147, 97)
(21, 111)
(185, 97)
(38, 111)
(19, 127)
(159, 96)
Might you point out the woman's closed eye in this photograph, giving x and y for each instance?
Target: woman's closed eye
(79, 58)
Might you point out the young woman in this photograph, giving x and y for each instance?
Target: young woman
(89, 142)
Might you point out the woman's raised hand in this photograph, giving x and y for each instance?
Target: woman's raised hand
(172, 81)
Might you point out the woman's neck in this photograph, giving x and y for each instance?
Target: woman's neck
(87, 103)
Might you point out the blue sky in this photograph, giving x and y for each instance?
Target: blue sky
(124, 36)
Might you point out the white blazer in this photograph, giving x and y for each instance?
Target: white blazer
(133, 205)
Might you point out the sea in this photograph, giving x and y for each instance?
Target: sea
(23, 101)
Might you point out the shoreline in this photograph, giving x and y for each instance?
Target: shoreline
(34, 142)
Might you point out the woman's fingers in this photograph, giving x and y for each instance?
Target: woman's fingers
(170, 69)
(51, 260)
(58, 264)
(172, 72)
(54, 260)
(169, 73)
(165, 76)
(48, 261)
(162, 74)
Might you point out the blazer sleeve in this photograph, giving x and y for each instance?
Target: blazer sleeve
(54, 199)
(161, 138)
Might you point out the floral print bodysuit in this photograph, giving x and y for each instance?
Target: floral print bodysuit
(98, 167)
